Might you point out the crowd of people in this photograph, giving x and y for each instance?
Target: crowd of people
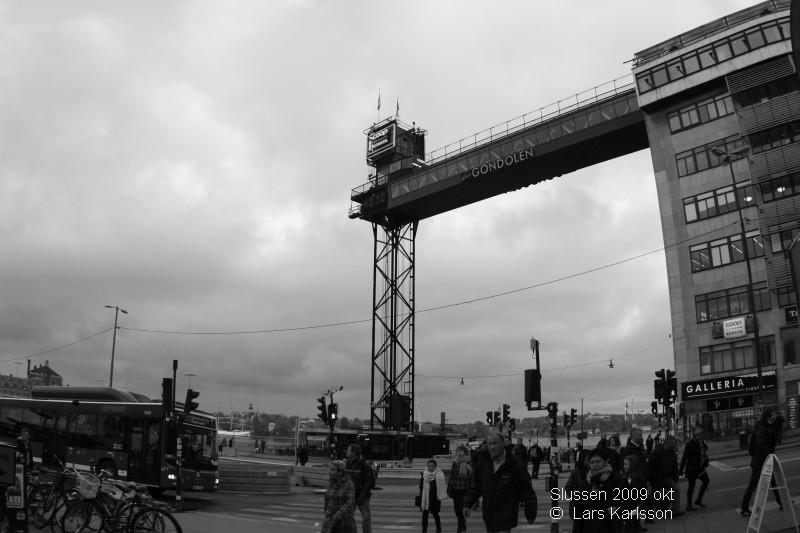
(496, 478)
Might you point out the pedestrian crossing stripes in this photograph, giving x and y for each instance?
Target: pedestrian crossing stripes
(390, 512)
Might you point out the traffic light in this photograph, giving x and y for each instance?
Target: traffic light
(566, 420)
(654, 407)
(333, 414)
(166, 395)
(496, 418)
(506, 412)
(489, 418)
(672, 385)
(682, 411)
(552, 413)
(323, 411)
(512, 424)
(533, 387)
(672, 412)
(189, 405)
(573, 416)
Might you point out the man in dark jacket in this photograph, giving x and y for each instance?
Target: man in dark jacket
(361, 473)
(662, 473)
(765, 445)
(504, 483)
(522, 453)
(536, 455)
(634, 446)
(24, 453)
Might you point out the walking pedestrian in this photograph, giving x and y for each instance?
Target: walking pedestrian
(431, 482)
(633, 480)
(303, 455)
(594, 515)
(575, 477)
(536, 455)
(522, 453)
(779, 421)
(24, 452)
(662, 473)
(500, 479)
(340, 497)
(459, 482)
(615, 453)
(694, 463)
(634, 445)
(361, 473)
(221, 445)
(764, 446)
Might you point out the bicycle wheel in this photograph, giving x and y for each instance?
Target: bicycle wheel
(155, 521)
(82, 515)
(123, 515)
(64, 501)
(45, 510)
(35, 496)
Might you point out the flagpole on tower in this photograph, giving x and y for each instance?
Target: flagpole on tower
(397, 113)
(379, 104)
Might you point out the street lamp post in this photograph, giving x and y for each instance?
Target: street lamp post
(190, 376)
(727, 157)
(117, 309)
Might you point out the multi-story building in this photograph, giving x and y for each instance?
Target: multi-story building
(11, 386)
(722, 110)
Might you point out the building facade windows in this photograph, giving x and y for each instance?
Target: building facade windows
(781, 239)
(718, 202)
(711, 55)
(775, 137)
(725, 251)
(700, 113)
(768, 91)
(736, 355)
(728, 303)
(780, 187)
(702, 158)
(790, 339)
(786, 296)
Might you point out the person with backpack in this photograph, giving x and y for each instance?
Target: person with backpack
(761, 445)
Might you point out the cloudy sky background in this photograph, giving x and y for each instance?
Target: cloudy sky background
(191, 162)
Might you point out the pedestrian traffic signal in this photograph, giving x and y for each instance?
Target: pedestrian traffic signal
(506, 412)
(672, 412)
(323, 410)
(166, 395)
(566, 420)
(659, 390)
(496, 418)
(333, 414)
(682, 410)
(573, 416)
(654, 407)
(512, 424)
(672, 385)
(489, 418)
(189, 405)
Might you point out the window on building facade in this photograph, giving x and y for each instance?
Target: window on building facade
(718, 202)
(792, 388)
(717, 52)
(775, 137)
(789, 341)
(727, 303)
(786, 296)
(736, 355)
(781, 239)
(767, 91)
(702, 157)
(725, 251)
(780, 187)
(700, 112)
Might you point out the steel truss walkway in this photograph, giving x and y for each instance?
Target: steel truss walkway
(589, 128)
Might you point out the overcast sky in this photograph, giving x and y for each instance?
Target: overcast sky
(191, 162)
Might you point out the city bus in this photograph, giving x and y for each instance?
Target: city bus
(110, 429)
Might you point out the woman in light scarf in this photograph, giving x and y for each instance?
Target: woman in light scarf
(457, 485)
(431, 483)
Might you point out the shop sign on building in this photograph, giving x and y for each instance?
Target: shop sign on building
(792, 419)
(790, 314)
(728, 386)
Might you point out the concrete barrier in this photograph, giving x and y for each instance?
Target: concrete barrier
(310, 476)
(243, 477)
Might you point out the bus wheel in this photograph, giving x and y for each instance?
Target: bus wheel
(109, 466)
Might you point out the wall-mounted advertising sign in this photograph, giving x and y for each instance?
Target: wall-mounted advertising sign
(724, 387)
(381, 140)
(733, 328)
(790, 314)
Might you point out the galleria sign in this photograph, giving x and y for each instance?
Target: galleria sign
(727, 386)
